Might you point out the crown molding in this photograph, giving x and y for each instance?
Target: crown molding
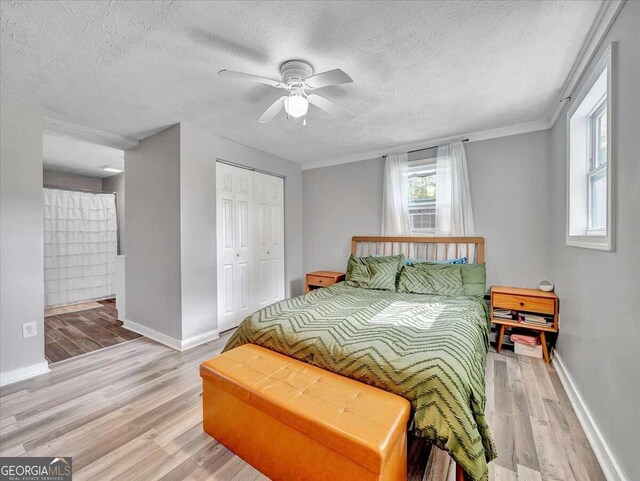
(100, 137)
(472, 136)
(606, 16)
(516, 129)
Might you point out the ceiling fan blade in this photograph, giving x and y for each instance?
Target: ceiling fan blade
(247, 76)
(329, 107)
(324, 79)
(273, 110)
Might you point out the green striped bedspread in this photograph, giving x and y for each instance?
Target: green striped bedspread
(428, 349)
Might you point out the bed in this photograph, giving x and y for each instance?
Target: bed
(428, 348)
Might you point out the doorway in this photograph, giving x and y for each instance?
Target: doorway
(83, 196)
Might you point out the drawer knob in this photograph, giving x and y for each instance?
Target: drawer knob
(320, 281)
(522, 303)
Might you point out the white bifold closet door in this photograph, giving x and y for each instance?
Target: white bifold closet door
(269, 211)
(250, 240)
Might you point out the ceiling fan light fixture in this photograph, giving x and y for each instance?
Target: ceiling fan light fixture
(296, 105)
(300, 84)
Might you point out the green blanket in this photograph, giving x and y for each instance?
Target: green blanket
(428, 349)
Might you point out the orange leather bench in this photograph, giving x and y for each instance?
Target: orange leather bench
(293, 421)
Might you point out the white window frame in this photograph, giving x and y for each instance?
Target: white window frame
(600, 239)
(419, 165)
(592, 169)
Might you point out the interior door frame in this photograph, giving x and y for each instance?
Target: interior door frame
(287, 284)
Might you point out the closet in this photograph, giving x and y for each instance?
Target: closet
(250, 242)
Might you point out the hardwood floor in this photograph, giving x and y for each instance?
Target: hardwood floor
(133, 412)
(70, 334)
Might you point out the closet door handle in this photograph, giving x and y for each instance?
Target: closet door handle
(268, 253)
(237, 254)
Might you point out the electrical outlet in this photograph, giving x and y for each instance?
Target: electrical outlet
(29, 329)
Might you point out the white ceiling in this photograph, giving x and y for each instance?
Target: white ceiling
(421, 70)
(72, 156)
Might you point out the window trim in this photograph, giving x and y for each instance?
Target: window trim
(590, 175)
(598, 239)
(592, 169)
(593, 143)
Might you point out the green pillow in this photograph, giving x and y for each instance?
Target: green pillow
(445, 280)
(374, 272)
(360, 273)
(474, 278)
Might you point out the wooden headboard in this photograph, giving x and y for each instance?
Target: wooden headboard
(424, 248)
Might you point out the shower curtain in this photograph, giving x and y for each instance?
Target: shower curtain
(80, 245)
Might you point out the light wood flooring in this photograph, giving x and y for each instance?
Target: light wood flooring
(76, 330)
(132, 412)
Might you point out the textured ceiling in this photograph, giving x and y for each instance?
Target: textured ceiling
(62, 154)
(421, 70)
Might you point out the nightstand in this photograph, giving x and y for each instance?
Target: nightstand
(322, 279)
(522, 303)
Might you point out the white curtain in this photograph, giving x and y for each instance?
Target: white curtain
(80, 245)
(395, 200)
(454, 213)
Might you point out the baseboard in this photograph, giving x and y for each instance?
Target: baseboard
(23, 373)
(157, 336)
(194, 341)
(172, 342)
(609, 466)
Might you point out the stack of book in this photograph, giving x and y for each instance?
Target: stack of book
(506, 314)
(535, 319)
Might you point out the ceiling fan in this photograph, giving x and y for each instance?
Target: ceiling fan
(298, 80)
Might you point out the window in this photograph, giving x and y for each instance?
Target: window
(422, 196)
(597, 174)
(589, 183)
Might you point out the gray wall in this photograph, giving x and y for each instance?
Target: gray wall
(600, 331)
(199, 150)
(511, 203)
(71, 181)
(510, 191)
(339, 202)
(115, 183)
(170, 226)
(21, 253)
(152, 224)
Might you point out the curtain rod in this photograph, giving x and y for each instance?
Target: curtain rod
(432, 147)
(252, 169)
(88, 191)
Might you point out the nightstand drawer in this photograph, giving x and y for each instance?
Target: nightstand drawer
(524, 303)
(320, 281)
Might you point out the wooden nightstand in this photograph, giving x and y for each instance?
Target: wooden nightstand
(323, 279)
(525, 301)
